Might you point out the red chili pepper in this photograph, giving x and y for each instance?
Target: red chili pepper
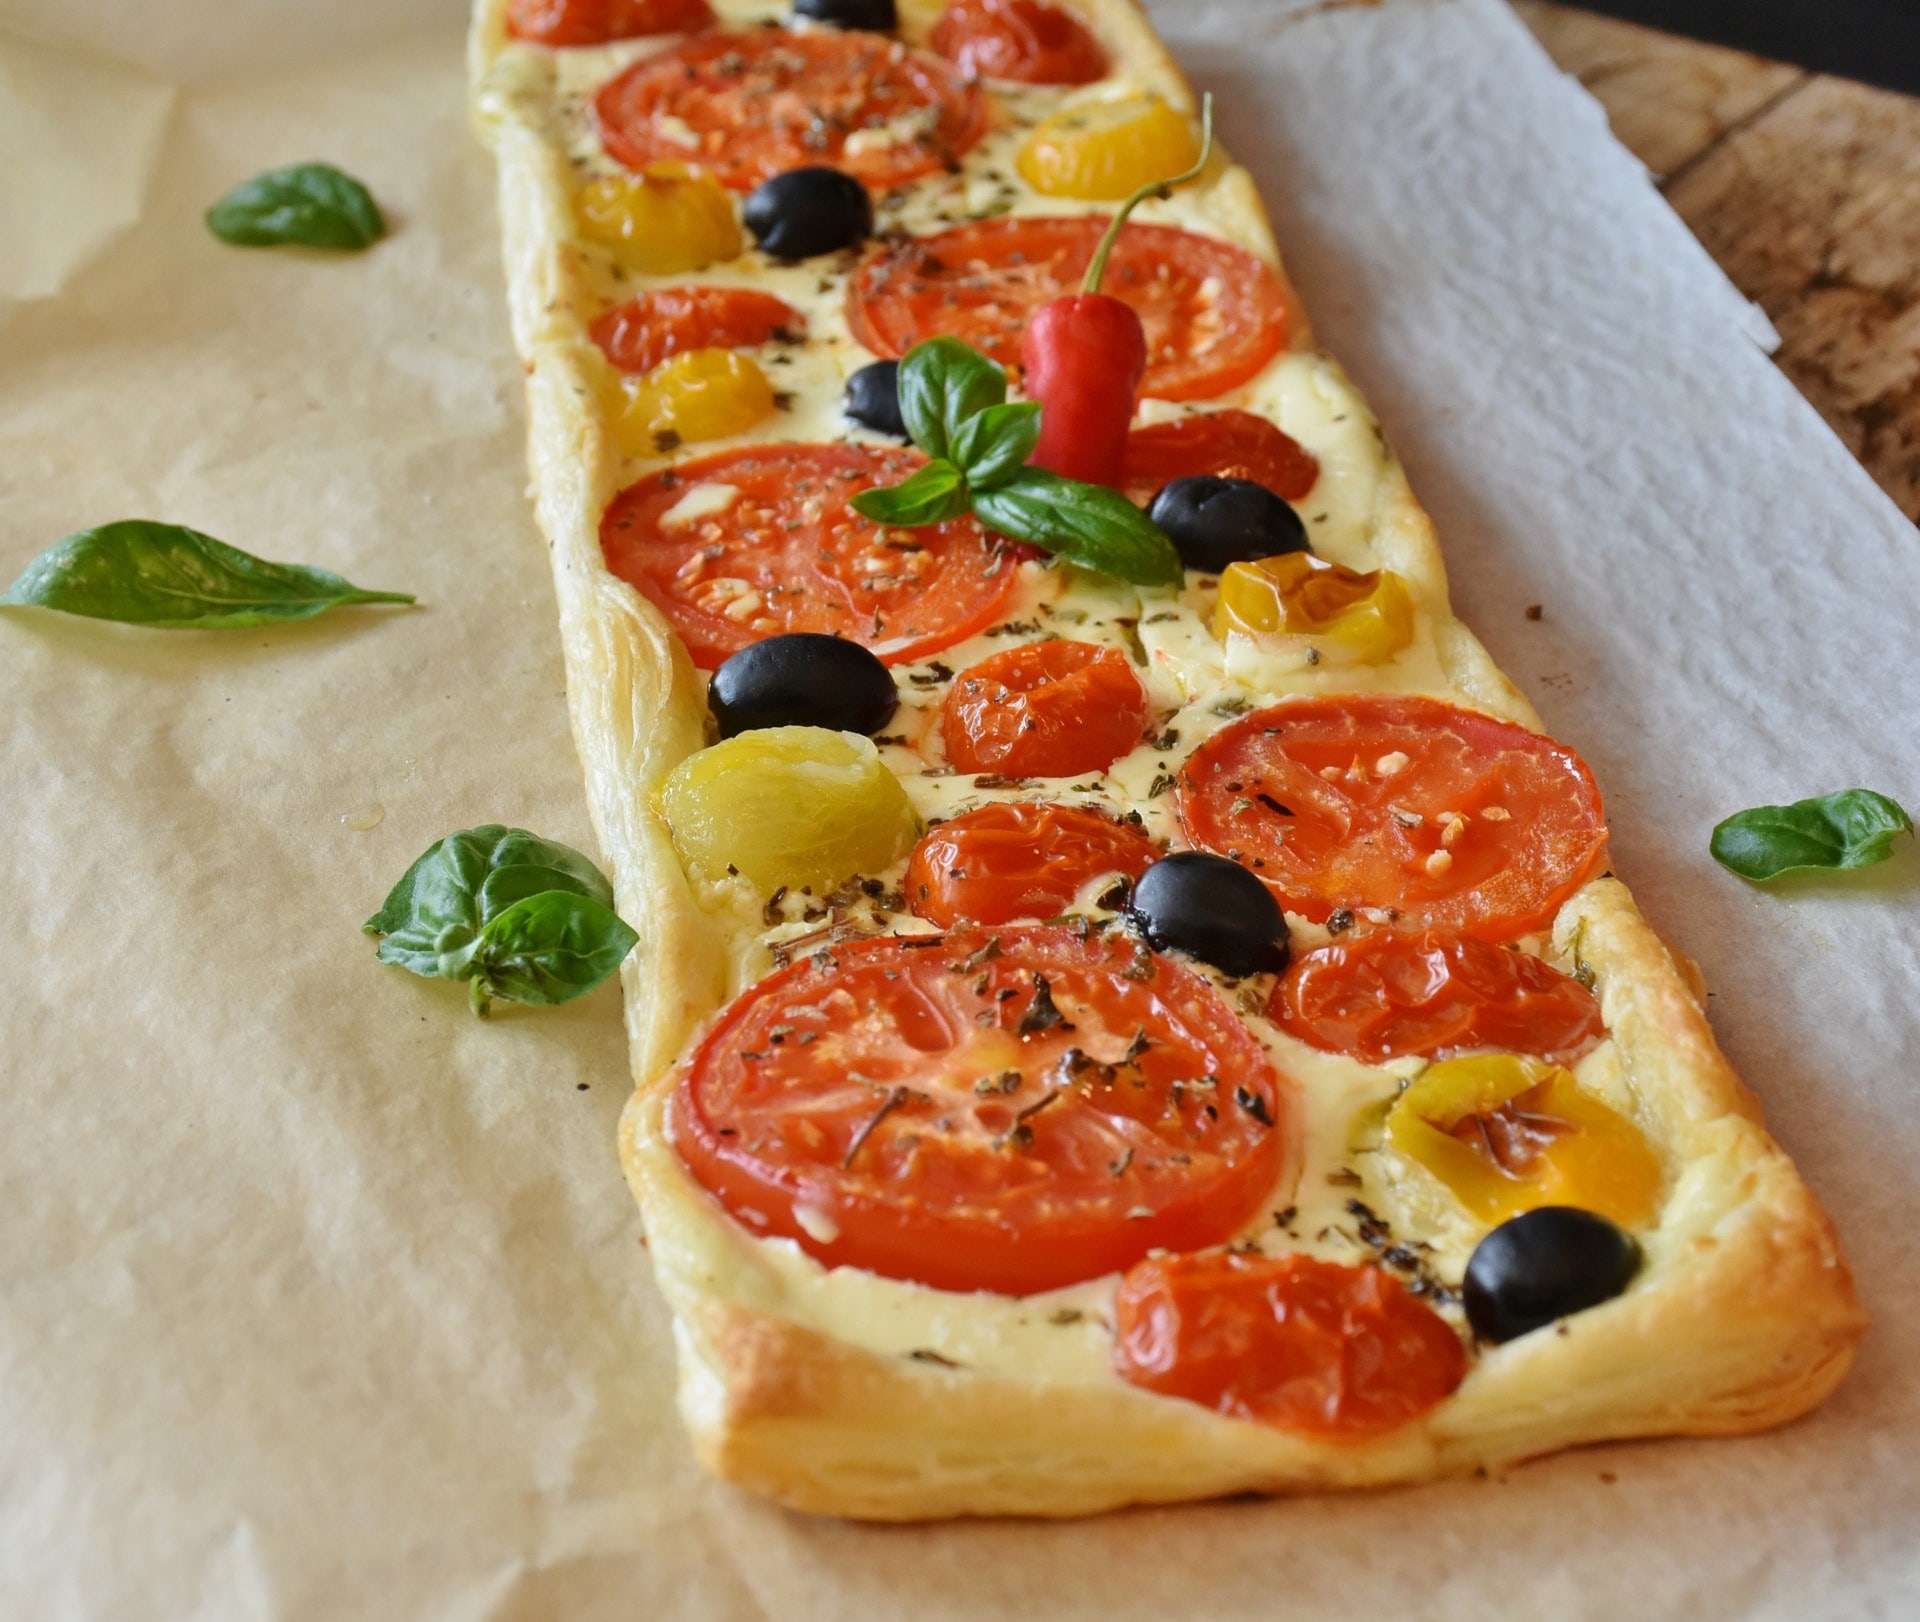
(1083, 356)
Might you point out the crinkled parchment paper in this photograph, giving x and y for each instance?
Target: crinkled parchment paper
(319, 1298)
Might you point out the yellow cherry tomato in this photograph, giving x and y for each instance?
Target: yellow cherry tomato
(663, 221)
(788, 805)
(1105, 150)
(1506, 1133)
(1368, 617)
(698, 394)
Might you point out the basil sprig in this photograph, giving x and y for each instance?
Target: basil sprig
(165, 575)
(518, 917)
(309, 205)
(1853, 828)
(954, 403)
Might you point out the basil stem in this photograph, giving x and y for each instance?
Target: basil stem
(174, 578)
(308, 205)
(520, 918)
(1853, 828)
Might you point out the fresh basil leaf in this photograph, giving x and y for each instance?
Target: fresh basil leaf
(1853, 828)
(480, 905)
(1085, 523)
(311, 205)
(993, 445)
(547, 949)
(164, 575)
(931, 495)
(942, 382)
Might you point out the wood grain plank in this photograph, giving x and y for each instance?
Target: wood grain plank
(1805, 189)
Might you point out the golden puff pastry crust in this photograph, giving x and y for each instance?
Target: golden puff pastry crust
(811, 1388)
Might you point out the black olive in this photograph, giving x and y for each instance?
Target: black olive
(872, 399)
(876, 16)
(1213, 522)
(809, 211)
(1213, 908)
(1542, 1265)
(802, 679)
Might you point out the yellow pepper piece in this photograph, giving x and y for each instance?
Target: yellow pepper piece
(1506, 1134)
(663, 221)
(788, 805)
(1368, 617)
(698, 394)
(1106, 150)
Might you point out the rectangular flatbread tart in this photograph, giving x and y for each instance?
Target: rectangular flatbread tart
(1130, 1005)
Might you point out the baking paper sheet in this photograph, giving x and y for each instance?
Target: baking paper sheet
(319, 1298)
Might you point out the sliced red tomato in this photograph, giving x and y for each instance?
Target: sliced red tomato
(1044, 709)
(1384, 995)
(1226, 444)
(744, 106)
(1009, 1110)
(1344, 1353)
(786, 553)
(1443, 817)
(1213, 314)
(594, 22)
(1025, 40)
(1015, 859)
(666, 321)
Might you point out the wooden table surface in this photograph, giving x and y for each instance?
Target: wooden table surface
(1805, 188)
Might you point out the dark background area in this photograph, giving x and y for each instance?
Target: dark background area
(1874, 40)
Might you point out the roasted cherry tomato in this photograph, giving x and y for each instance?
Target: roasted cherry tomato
(700, 394)
(1012, 1110)
(1044, 709)
(748, 542)
(1344, 1353)
(1435, 816)
(792, 805)
(745, 106)
(594, 22)
(1014, 860)
(1025, 40)
(1227, 444)
(667, 321)
(1366, 616)
(662, 221)
(1506, 1133)
(1383, 995)
(1103, 150)
(1213, 314)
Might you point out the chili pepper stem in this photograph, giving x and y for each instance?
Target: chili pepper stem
(1162, 189)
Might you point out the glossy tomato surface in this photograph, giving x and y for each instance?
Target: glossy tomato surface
(1015, 859)
(1225, 444)
(1435, 817)
(594, 22)
(667, 321)
(1009, 1110)
(1045, 709)
(788, 554)
(1344, 1353)
(1025, 40)
(1213, 314)
(765, 101)
(1385, 995)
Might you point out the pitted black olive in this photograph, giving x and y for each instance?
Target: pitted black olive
(802, 679)
(1543, 1265)
(872, 399)
(808, 211)
(875, 16)
(1212, 908)
(1213, 522)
